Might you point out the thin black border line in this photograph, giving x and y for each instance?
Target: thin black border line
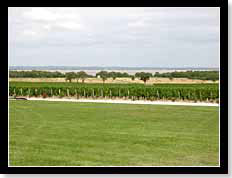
(146, 170)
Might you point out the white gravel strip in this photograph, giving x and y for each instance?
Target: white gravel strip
(127, 101)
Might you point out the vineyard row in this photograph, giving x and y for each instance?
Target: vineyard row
(169, 93)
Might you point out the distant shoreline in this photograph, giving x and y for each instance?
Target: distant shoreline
(106, 68)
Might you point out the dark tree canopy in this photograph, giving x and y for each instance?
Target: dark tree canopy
(82, 75)
(69, 76)
(104, 75)
(140, 74)
(132, 77)
(113, 75)
(35, 74)
(144, 76)
(201, 75)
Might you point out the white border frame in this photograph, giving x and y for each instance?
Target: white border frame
(124, 166)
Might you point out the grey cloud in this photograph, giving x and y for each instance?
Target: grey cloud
(162, 36)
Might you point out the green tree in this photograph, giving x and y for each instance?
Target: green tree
(104, 78)
(82, 75)
(112, 75)
(171, 78)
(156, 74)
(103, 75)
(77, 77)
(132, 77)
(144, 76)
(69, 76)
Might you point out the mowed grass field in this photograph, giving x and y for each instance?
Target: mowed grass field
(44, 133)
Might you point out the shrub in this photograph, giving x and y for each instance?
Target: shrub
(173, 99)
(44, 95)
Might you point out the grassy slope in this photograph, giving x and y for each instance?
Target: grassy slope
(90, 134)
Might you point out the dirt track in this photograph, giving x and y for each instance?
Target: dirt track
(117, 80)
(127, 101)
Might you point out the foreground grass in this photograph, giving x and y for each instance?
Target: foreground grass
(96, 134)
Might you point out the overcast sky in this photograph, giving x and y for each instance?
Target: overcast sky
(127, 37)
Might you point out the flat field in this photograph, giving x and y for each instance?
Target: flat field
(153, 80)
(46, 133)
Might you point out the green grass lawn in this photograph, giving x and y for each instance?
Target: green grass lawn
(46, 133)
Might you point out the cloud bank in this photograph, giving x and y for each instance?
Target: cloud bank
(136, 37)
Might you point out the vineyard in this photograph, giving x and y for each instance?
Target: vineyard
(193, 92)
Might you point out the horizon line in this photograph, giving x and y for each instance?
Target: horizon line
(105, 66)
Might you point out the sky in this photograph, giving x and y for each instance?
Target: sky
(120, 36)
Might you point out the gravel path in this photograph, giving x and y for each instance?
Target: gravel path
(127, 102)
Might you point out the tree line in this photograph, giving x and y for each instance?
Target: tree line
(78, 76)
(201, 75)
(144, 76)
(35, 74)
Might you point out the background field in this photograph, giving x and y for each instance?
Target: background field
(117, 80)
(89, 134)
